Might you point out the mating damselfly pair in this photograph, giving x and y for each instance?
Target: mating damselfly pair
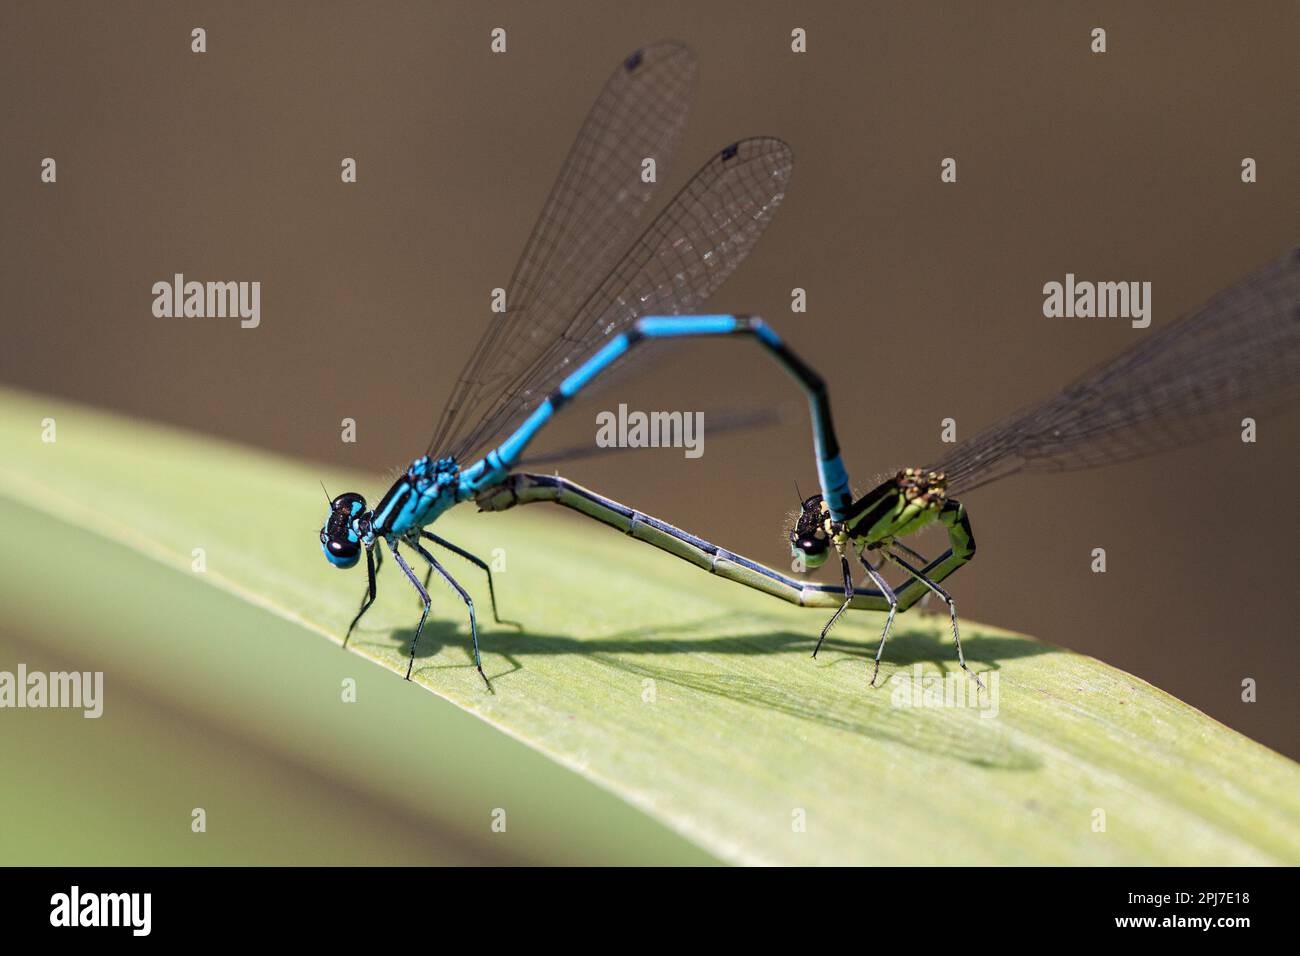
(589, 289)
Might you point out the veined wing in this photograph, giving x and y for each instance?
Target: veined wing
(1238, 352)
(676, 264)
(589, 218)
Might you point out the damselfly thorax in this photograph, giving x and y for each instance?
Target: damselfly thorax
(429, 487)
(897, 507)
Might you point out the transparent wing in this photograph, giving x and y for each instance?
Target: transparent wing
(589, 218)
(1237, 353)
(674, 266)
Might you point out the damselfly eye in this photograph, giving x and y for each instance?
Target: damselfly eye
(341, 552)
(809, 543)
(811, 551)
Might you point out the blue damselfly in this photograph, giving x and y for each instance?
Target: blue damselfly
(585, 282)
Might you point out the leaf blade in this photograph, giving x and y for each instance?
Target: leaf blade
(745, 731)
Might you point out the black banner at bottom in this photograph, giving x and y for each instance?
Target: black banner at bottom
(372, 905)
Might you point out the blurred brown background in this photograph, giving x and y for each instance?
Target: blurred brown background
(1122, 166)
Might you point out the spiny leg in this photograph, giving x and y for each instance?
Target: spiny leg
(424, 599)
(428, 576)
(888, 592)
(848, 599)
(924, 604)
(367, 599)
(464, 596)
(952, 609)
(916, 555)
(472, 559)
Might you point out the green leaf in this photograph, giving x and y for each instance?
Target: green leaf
(692, 699)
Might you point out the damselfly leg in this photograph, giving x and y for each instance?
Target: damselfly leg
(474, 560)
(424, 600)
(848, 599)
(946, 598)
(888, 592)
(916, 555)
(374, 560)
(884, 589)
(464, 596)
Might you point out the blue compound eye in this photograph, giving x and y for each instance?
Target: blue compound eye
(342, 552)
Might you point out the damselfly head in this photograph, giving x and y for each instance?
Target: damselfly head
(809, 540)
(338, 539)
